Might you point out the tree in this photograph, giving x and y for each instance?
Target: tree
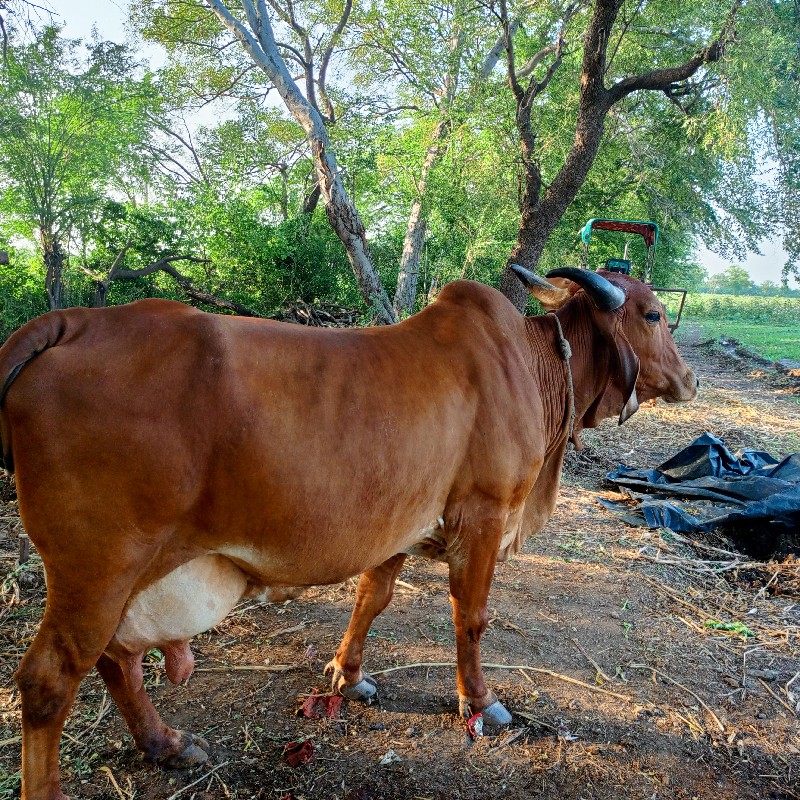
(767, 91)
(69, 123)
(254, 31)
(543, 204)
(734, 279)
(428, 68)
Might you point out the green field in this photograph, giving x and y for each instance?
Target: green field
(768, 325)
(771, 341)
(743, 308)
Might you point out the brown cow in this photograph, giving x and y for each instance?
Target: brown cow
(155, 450)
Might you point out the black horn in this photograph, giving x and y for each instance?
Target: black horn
(606, 296)
(530, 279)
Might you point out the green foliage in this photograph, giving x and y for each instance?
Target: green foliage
(70, 122)
(125, 171)
(734, 627)
(734, 279)
(773, 310)
(21, 295)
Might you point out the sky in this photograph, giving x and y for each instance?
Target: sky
(109, 16)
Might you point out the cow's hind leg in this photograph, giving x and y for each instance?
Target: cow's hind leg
(375, 589)
(472, 562)
(157, 741)
(71, 638)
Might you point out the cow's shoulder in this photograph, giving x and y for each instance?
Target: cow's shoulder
(473, 295)
(159, 308)
(469, 307)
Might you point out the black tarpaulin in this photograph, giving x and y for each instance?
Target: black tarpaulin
(705, 486)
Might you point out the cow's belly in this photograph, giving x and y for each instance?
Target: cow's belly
(166, 614)
(183, 603)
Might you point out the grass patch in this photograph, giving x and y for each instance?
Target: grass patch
(742, 308)
(767, 339)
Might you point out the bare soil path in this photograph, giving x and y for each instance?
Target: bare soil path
(619, 690)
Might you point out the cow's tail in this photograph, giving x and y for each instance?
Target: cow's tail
(21, 348)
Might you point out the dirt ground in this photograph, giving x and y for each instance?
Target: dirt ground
(597, 644)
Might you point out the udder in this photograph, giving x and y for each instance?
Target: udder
(187, 601)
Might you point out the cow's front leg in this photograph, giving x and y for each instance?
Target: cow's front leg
(375, 589)
(158, 742)
(472, 562)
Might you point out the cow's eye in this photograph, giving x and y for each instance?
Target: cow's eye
(652, 316)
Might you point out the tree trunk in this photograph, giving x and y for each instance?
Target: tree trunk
(541, 212)
(408, 276)
(54, 270)
(311, 200)
(100, 294)
(259, 43)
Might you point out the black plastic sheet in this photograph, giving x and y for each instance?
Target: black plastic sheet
(705, 486)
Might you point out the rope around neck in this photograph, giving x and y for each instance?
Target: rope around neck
(566, 354)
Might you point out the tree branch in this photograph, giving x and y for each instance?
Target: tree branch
(536, 59)
(323, 67)
(298, 56)
(114, 267)
(668, 78)
(508, 42)
(493, 56)
(165, 265)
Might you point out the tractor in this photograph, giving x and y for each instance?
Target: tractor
(649, 232)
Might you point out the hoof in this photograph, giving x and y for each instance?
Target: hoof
(494, 715)
(195, 752)
(364, 691)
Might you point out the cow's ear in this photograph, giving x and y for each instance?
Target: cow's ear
(619, 396)
(628, 366)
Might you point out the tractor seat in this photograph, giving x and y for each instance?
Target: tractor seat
(622, 265)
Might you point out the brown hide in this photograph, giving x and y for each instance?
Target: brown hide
(163, 453)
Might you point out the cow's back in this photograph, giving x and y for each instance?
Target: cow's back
(310, 447)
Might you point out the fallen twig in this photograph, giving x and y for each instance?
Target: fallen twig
(12, 740)
(251, 668)
(526, 715)
(591, 660)
(702, 545)
(777, 697)
(685, 689)
(201, 778)
(762, 592)
(510, 740)
(280, 631)
(699, 611)
(105, 707)
(510, 667)
(697, 564)
(122, 795)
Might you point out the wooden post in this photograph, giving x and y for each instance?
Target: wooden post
(24, 548)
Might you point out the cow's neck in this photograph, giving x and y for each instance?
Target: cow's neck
(553, 372)
(589, 364)
(591, 359)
